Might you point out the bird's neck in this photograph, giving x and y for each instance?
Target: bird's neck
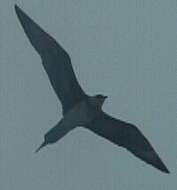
(95, 103)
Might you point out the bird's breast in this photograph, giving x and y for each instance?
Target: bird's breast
(81, 114)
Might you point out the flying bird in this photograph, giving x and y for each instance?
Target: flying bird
(80, 109)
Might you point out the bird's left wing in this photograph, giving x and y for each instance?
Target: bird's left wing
(127, 136)
(55, 60)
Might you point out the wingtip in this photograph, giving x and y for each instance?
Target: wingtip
(17, 8)
(161, 166)
(167, 171)
(164, 169)
(15, 5)
(20, 13)
(152, 158)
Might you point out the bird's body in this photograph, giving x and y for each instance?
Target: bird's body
(80, 109)
(82, 113)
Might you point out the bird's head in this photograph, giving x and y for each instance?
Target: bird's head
(98, 100)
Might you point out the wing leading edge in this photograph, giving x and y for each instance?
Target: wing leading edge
(127, 136)
(55, 60)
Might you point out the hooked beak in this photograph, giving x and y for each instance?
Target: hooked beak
(41, 146)
(105, 97)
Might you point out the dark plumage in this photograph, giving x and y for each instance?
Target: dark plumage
(79, 109)
(128, 136)
(55, 60)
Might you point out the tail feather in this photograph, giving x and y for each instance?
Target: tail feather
(41, 146)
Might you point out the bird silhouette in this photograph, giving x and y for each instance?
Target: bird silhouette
(80, 109)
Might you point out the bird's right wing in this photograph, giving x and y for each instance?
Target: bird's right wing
(127, 136)
(55, 60)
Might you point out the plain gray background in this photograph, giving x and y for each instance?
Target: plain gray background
(124, 49)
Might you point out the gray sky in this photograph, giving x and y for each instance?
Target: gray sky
(131, 46)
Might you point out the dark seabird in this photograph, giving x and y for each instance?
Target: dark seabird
(80, 109)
